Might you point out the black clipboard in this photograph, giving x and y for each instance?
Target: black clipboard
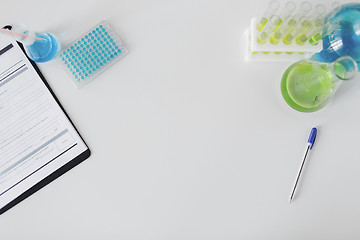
(60, 171)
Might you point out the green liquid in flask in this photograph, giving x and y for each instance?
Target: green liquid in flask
(307, 87)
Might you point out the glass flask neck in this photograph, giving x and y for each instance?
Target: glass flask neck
(344, 68)
(28, 37)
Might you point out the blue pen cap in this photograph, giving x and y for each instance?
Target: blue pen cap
(312, 137)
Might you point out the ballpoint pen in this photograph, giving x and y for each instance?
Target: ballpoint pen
(310, 145)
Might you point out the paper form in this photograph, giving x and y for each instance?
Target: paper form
(36, 137)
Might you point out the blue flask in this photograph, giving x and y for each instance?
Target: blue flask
(341, 34)
(43, 50)
(39, 46)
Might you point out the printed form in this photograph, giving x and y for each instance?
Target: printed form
(36, 137)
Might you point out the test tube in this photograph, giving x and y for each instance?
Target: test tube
(268, 29)
(307, 23)
(311, 31)
(326, 29)
(270, 11)
(318, 35)
(314, 26)
(336, 7)
(288, 10)
(288, 36)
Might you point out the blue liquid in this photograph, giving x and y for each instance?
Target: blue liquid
(342, 35)
(45, 50)
(91, 53)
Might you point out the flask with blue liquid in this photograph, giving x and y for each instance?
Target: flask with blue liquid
(39, 46)
(341, 34)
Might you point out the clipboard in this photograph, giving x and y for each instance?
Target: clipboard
(38, 165)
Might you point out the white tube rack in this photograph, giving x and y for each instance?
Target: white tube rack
(278, 52)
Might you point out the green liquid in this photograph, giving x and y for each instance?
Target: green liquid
(260, 26)
(277, 23)
(275, 38)
(261, 39)
(288, 37)
(307, 87)
(305, 23)
(315, 39)
(301, 39)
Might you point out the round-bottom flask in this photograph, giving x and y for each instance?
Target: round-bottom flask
(39, 46)
(307, 86)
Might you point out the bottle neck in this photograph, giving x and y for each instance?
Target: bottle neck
(28, 37)
(345, 68)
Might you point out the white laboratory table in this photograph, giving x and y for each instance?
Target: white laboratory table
(188, 140)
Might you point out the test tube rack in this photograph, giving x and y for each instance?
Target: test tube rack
(278, 52)
(285, 35)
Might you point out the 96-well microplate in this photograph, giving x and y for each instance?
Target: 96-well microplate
(92, 54)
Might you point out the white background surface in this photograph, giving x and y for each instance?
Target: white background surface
(188, 140)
